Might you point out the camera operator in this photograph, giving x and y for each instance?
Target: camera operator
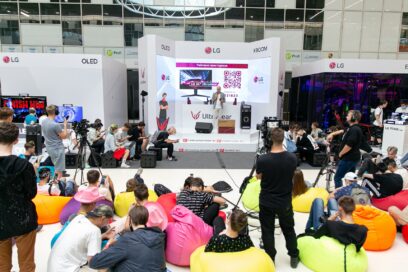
(75, 144)
(95, 137)
(351, 142)
(276, 170)
(53, 135)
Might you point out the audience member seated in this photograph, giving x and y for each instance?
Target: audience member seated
(112, 146)
(122, 139)
(31, 117)
(300, 185)
(316, 133)
(105, 186)
(340, 225)
(383, 185)
(306, 145)
(400, 216)
(361, 195)
(80, 240)
(95, 137)
(231, 239)
(372, 165)
(6, 115)
(202, 204)
(289, 142)
(138, 135)
(163, 141)
(29, 150)
(54, 188)
(141, 249)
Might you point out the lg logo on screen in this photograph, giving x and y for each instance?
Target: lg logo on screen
(333, 65)
(7, 59)
(209, 50)
(89, 61)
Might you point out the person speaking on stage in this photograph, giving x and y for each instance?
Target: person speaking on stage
(218, 100)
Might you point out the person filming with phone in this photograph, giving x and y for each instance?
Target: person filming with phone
(163, 141)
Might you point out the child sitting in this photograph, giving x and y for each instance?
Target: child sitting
(54, 188)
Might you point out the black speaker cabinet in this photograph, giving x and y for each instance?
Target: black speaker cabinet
(108, 161)
(71, 160)
(201, 127)
(246, 116)
(33, 130)
(159, 152)
(148, 159)
(37, 139)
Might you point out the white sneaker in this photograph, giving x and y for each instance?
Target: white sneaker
(124, 165)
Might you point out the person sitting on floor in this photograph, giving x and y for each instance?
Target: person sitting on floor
(306, 145)
(400, 216)
(361, 195)
(80, 240)
(300, 185)
(340, 225)
(163, 141)
(141, 249)
(373, 165)
(105, 186)
(112, 146)
(202, 204)
(54, 188)
(230, 240)
(383, 185)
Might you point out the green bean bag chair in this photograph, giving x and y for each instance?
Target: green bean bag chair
(250, 197)
(327, 254)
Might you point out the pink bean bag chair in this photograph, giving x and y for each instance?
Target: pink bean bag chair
(157, 215)
(399, 200)
(405, 233)
(185, 235)
(73, 206)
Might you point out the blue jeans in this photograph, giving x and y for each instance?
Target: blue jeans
(317, 211)
(342, 168)
(404, 159)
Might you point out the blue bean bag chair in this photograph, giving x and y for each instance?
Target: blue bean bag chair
(73, 206)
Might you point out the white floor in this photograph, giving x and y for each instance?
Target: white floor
(394, 259)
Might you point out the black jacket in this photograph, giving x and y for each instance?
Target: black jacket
(141, 250)
(18, 186)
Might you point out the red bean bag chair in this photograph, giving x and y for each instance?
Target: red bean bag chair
(399, 200)
(187, 233)
(73, 206)
(405, 233)
(49, 208)
(381, 227)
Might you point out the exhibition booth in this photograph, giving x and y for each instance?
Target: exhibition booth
(180, 78)
(324, 91)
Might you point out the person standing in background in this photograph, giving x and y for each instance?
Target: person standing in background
(378, 122)
(31, 117)
(218, 100)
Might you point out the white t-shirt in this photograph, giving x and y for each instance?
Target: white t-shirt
(378, 111)
(43, 190)
(401, 110)
(41, 119)
(79, 240)
(218, 102)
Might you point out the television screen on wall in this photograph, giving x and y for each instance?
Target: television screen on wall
(21, 104)
(196, 79)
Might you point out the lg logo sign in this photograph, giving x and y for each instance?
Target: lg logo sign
(89, 61)
(209, 50)
(333, 65)
(165, 47)
(7, 59)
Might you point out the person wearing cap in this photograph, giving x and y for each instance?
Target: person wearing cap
(112, 145)
(350, 181)
(80, 240)
(404, 106)
(55, 188)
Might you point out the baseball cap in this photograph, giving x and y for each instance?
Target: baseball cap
(88, 195)
(350, 176)
(101, 210)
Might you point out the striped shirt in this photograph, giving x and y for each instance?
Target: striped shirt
(195, 201)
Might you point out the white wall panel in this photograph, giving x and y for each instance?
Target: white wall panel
(351, 31)
(349, 55)
(224, 35)
(73, 49)
(387, 56)
(405, 5)
(373, 5)
(403, 56)
(41, 34)
(390, 32)
(93, 50)
(392, 5)
(291, 39)
(368, 55)
(95, 35)
(331, 30)
(370, 36)
(173, 33)
(333, 5)
(288, 4)
(353, 4)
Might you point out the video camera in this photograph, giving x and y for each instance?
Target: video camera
(81, 128)
(267, 124)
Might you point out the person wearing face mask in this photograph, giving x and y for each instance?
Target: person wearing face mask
(404, 106)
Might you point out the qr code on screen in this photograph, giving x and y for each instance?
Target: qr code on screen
(232, 79)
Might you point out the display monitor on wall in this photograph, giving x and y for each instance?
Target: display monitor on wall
(72, 113)
(196, 79)
(21, 104)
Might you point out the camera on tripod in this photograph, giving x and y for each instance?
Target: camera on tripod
(267, 124)
(81, 128)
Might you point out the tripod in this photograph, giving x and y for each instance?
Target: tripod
(328, 169)
(80, 161)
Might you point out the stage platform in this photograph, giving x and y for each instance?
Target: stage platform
(242, 141)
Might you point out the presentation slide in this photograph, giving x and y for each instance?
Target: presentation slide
(197, 79)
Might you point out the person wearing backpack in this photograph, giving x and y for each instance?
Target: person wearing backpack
(361, 195)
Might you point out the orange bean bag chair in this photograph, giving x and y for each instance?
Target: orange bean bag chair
(381, 227)
(399, 200)
(168, 202)
(49, 208)
(405, 233)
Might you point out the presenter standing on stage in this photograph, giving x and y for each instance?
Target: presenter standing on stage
(218, 100)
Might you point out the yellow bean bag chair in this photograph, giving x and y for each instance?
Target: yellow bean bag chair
(49, 208)
(327, 255)
(250, 197)
(124, 200)
(381, 227)
(303, 203)
(252, 259)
